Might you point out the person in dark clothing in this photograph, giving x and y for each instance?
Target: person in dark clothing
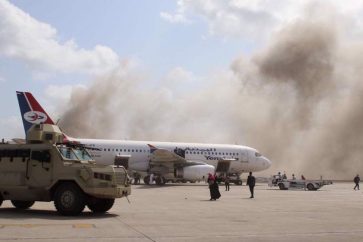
(356, 181)
(210, 181)
(213, 188)
(251, 181)
(226, 182)
(216, 193)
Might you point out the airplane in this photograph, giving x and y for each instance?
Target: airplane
(166, 161)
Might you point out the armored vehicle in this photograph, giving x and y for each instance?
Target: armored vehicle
(48, 169)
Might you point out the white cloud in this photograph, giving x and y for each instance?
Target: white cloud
(178, 17)
(2, 79)
(253, 20)
(27, 39)
(179, 75)
(12, 127)
(173, 18)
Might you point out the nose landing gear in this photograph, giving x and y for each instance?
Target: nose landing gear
(159, 180)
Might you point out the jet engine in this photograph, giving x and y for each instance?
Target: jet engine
(195, 172)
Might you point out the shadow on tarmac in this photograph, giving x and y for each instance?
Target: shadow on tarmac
(11, 213)
(143, 186)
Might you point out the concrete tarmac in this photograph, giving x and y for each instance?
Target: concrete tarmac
(184, 213)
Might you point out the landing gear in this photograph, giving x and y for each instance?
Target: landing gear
(160, 180)
(147, 180)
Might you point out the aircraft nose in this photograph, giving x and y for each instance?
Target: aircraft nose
(264, 163)
(268, 162)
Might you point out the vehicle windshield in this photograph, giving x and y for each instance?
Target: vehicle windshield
(74, 153)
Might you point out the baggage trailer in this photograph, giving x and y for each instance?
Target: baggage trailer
(285, 184)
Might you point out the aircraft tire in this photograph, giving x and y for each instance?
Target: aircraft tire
(160, 181)
(69, 199)
(147, 180)
(100, 205)
(22, 204)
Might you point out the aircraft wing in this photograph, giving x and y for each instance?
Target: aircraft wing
(163, 156)
(19, 141)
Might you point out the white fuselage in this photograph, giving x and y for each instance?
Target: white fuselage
(240, 159)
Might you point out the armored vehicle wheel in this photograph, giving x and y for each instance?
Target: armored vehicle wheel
(1, 200)
(22, 204)
(239, 182)
(310, 187)
(100, 205)
(69, 199)
(282, 186)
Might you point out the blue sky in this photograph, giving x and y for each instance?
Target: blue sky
(53, 44)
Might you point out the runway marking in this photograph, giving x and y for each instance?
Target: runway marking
(28, 226)
(83, 226)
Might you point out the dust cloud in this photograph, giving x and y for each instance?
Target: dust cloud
(299, 101)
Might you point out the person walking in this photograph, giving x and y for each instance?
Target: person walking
(213, 187)
(226, 182)
(356, 181)
(251, 181)
(210, 181)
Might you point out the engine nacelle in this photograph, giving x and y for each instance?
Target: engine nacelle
(195, 172)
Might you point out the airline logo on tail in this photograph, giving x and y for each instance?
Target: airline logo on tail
(35, 117)
(31, 111)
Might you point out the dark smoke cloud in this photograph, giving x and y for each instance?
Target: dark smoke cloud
(299, 101)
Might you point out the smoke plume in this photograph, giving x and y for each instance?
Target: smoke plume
(299, 101)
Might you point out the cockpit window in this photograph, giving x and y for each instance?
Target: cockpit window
(257, 154)
(74, 153)
(82, 154)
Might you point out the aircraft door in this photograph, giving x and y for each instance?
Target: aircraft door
(122, 161)
(223, 166)
(39, 169)
(244, 156)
